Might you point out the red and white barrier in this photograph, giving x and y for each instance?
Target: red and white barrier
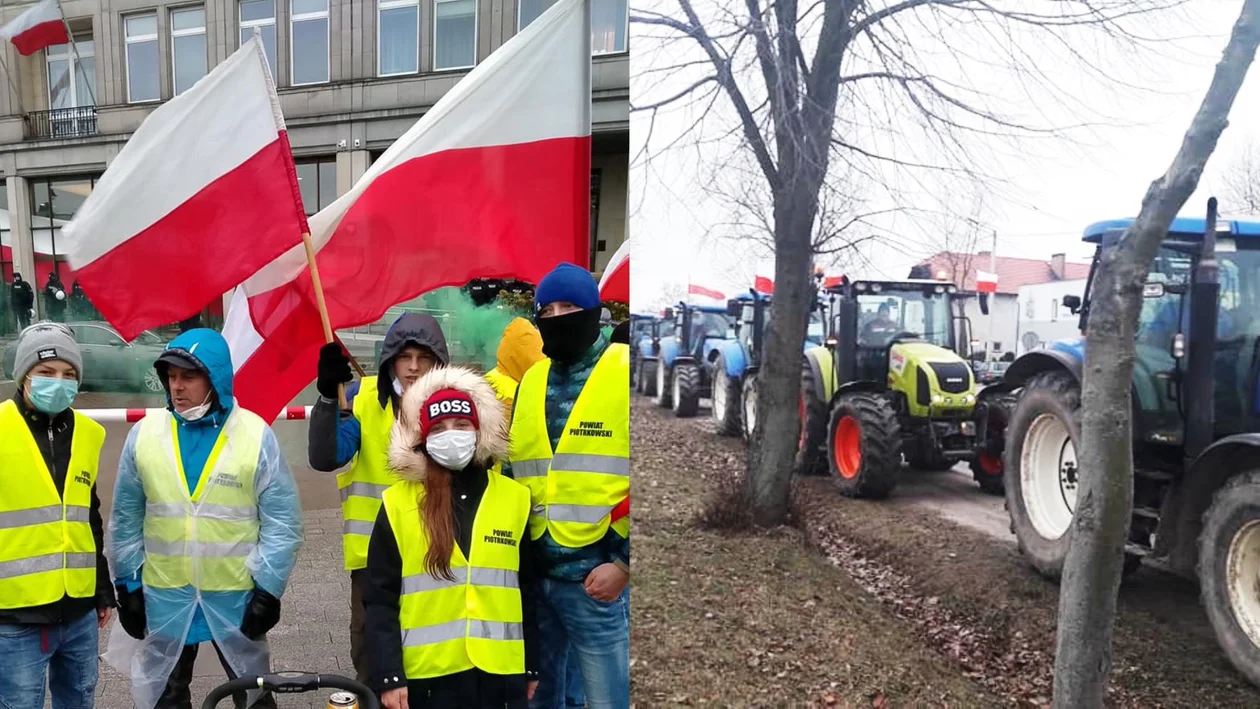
(292, 413)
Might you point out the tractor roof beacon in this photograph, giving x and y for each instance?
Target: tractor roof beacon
(685, 357)
(1196, 425)
(892, 382)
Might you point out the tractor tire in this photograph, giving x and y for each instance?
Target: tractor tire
(726, 399)
(686, 395)
(664, 386)
(811, 449)
(1040, 471)
(647, 377)
(986, 467)
(1229, 563)
(929, 461)
(748, 408)
(864, 446)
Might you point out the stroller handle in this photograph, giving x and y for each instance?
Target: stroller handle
(291, 683)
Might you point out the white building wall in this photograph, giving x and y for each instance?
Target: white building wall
(1042, 319)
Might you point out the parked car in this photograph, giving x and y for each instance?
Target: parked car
(109, 362)
(989, 372)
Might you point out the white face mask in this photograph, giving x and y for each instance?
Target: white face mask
(196, 413)
(398, 387)
(452, 449)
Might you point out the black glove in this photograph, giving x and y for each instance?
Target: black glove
(131, 611)
(334, 369)
(261, 615)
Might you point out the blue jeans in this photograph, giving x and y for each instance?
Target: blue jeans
(571, 623)
(64, 654)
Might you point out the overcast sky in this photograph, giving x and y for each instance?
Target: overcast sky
(1045, 191)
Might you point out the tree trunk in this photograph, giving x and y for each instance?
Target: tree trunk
(1091, 573)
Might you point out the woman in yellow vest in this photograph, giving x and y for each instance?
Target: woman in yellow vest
(413, 345)
(520, 349)
(447, 564)
(55, 593)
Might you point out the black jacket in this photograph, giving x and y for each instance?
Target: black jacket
(53, 438)
(410, 329)
(23, 295)
(382, 590)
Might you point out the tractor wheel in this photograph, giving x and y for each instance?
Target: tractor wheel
(647, 377)
(986, 467)
(929, 460)
(864, 446)
(1040, 471)
(748, 406)
(664, 387)
(811, 449)
(686, 394)
(1229, 564)
(635, 365)
(726, 401)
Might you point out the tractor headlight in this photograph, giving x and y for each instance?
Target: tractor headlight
(937, 399)
(969, 399)
(860, 287)
(940, 289)
(875, 288)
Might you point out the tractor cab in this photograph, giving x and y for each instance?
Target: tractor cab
(684, 363)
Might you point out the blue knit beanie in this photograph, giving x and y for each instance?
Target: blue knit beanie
(567, 283)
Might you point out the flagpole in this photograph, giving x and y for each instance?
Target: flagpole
(323, 307)
(78, 61)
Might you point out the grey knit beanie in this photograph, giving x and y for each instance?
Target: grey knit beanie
(44, 341)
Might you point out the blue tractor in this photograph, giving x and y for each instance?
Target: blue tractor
(684, 358)
(644, 331)
(1196, 425)
(738, 360)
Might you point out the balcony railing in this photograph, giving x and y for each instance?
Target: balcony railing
(76, 122)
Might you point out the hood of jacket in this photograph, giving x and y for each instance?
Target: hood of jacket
(210, 351)
(411, 463)
(419, 329)
(519, 349)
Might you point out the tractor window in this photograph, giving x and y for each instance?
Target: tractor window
(817, 330)
(712, 324)
(884, 315)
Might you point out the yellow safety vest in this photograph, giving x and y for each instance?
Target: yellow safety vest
(475, 620)
(47, 551)
(369, 475)
(201, 539)
(575, 490)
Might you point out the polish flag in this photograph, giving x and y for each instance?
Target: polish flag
(833, 281)
(40, 27)
(764, 280)
(693, 289)
(615, 285)
(202, 196)
(493, 182)
(986, 282)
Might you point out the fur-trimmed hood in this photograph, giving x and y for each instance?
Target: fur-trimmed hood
(492, 433)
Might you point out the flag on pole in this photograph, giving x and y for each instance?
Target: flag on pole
(40, 27)
(693, 289)
(986, 282)
(203, 195)
(493, 182)
(764, 280)
(615, 283)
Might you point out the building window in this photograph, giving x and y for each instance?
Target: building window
(53, 204)
(529, 10)
(142, 57)
(62, 64)
(317, 179)
(260, 14)
(609, 19)
(1054, 311)
(308, 42)
(398, 37)
(1030, 309)
(454, 34)
(188, 46)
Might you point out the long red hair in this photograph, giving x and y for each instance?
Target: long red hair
(439, 522)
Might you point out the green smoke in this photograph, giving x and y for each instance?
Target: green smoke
(472, 333)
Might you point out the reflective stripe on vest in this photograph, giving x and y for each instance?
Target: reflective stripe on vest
(369, 475)
(473, 619)
(201, 539)
(47, 550)
(574, 491)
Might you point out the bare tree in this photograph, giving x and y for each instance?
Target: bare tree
(1240, 182)
(853, 82)
(1092, 571)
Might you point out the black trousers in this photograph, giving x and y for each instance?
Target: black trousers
(177, 694)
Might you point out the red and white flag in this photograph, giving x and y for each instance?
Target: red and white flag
(40, 27)
(203, 195)
(615, 284)
(986, 282)
(693, 289)
(493, 182)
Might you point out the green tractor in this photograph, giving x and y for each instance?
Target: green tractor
(888, 384)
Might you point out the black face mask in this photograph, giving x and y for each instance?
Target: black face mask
(567, 337)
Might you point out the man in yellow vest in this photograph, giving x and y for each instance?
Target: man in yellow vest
(570, 445)
(519, 349)
(55, 593)
(413, 345)
(205, 529)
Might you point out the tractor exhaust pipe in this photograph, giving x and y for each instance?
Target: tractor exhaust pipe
(1198, 387)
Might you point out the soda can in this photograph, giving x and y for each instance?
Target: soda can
(343, 700)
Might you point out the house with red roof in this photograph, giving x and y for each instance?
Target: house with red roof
(1001, 327)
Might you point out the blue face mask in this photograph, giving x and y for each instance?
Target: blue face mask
(52, 396)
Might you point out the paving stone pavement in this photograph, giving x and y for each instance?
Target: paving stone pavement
(313, 634)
